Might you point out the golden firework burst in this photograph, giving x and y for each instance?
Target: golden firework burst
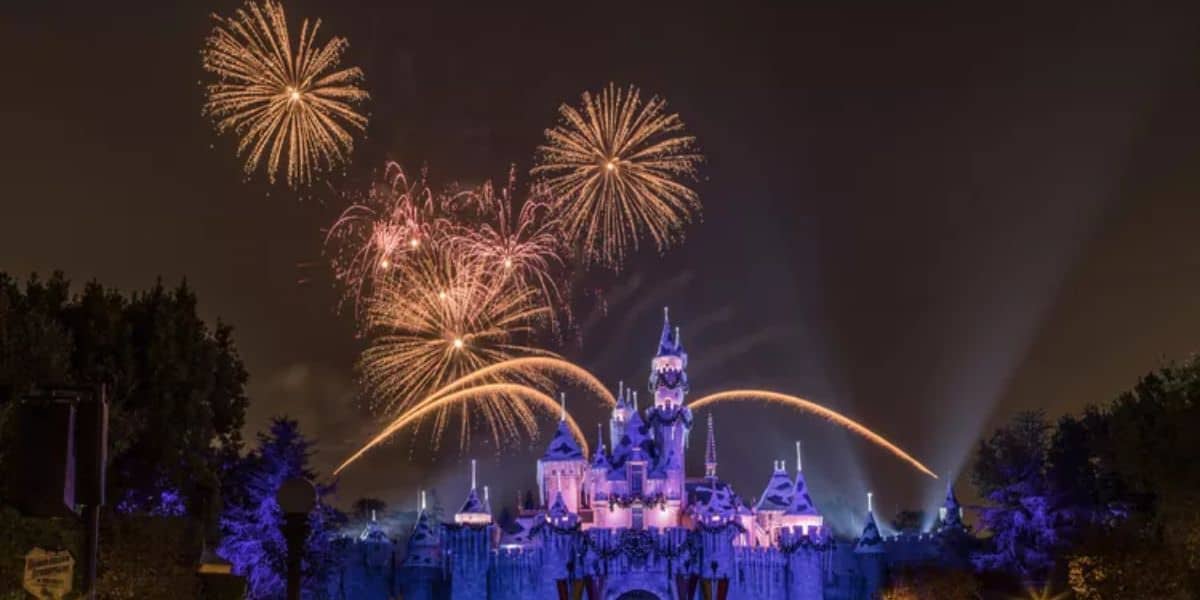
(617, 165)
(437, 318)
(282, 101)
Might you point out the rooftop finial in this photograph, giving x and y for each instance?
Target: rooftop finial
(678, 342)
(666, 314)
(799, 465)
(599, 437)
(373, 515)
(422, 499)
(869, 503)
(621, 388)
(562, 406)
(472, 473)
(710, 450)
(635, 402)
(485, 494)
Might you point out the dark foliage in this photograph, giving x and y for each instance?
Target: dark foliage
(1108, 499)
(176, 387)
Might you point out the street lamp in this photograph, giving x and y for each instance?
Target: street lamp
(296, 498)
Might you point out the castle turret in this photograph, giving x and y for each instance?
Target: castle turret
(636, 435)
(422, 567)
(668, 368)
(563, 467)
(870, 554)
(777, 495)
(801, 511)
(620, 416)
(475, 510)
(951, 513)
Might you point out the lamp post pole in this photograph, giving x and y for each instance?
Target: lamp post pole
(296, 497)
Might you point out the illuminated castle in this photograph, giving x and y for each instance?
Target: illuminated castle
(629, 524)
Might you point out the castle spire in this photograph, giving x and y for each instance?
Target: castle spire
(562, 406)
(472, 473)
(665, 344)
(950, 513)
(802, 503)
(710, 451)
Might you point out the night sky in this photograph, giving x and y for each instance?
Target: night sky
(927, 219)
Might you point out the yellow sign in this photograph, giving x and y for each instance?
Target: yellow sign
(48, 574)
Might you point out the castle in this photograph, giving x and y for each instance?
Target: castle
(629, 524)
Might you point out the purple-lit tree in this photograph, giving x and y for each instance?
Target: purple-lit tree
(250, 524)
(1024, 514)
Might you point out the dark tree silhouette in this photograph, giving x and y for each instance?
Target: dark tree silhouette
(176, 387)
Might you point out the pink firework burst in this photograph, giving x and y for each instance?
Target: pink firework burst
(396, 218)
(520, 242)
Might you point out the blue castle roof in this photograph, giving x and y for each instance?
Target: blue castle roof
(778, 493)
(563, 445)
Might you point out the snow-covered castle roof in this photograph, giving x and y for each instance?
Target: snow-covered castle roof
(563, 445)
(777, 495)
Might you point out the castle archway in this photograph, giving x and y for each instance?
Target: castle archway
(638, 595)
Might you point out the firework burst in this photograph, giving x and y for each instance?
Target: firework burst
(284, 102)
(436, 318)
(397, 218)
(615, 165)
(519, 246)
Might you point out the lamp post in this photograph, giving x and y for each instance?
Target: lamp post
(296, 498)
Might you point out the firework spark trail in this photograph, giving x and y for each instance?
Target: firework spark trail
(436, 319)
(520, 246)
(399, 216)
(813, 407)
(513, 390)
(282, 102)
(529, 365)
(615, 164)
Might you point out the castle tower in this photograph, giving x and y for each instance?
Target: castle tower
(563, 467)
(422, 567)
(475, 510)
(620, 416)
(597, 482)
(776, 498)
(802, 512)
(869, 552)
(951, 513)
(670, 421)
(668, 368)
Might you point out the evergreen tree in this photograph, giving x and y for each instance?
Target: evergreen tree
(1023, 514)
(252, 520)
